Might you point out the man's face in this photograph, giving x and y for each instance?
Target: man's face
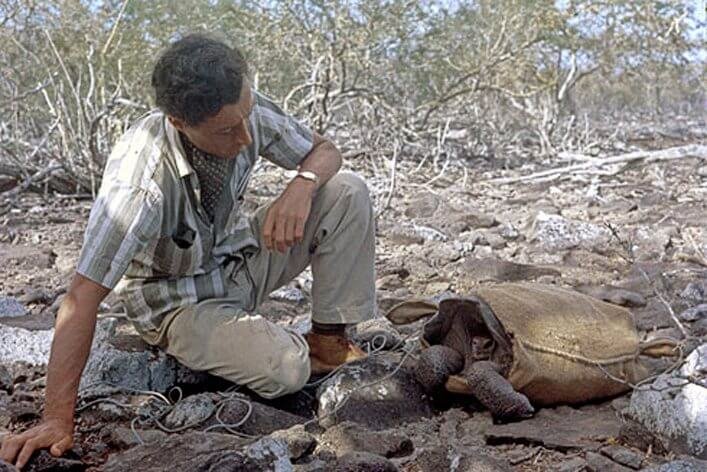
(226, 133)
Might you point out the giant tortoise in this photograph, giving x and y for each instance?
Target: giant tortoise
(513, 346)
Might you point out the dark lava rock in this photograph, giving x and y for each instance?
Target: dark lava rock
(376, 392)
(576, 464)
(462, 459)
(202, 452)
(314, 465)
(424, 206)
(463, 428)
(6, 379)
(561, 428)
(636, 435)
(490, 268)
(598, 463)
(477, 219)
(699, 329)
(36, 296)
(647, 277)
(624, 456)
(363, 462)
(652, 316)
(615, 295)
(5, 467)
(21, 412)
(351, 437)
(31, 257)
(263, 419)
(123, 438)
(42, 461)
(299, 442)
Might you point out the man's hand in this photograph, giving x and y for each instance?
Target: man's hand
(73, 334)
(286, 217)
(56, 434)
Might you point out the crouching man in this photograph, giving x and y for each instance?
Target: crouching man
(168, 234)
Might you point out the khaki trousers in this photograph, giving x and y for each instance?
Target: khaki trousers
(221, 337)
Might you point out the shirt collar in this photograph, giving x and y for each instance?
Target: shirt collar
(176, 150)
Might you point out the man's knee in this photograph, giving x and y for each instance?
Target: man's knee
(351, 196)
(290, 376)
(352, 185)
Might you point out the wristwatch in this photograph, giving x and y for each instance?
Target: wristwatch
(308, 175)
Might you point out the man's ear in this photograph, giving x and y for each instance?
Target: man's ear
(177, 123)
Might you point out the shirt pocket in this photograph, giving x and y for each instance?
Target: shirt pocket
(178, 254)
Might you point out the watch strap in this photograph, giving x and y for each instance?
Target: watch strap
(308, 175)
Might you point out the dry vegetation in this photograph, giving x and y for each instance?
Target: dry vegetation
(397, 83)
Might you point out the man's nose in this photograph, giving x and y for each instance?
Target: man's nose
(244, 137)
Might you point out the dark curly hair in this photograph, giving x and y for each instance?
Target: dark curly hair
(196, 76)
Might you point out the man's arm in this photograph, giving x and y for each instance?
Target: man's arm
(285, 220)
(75, 324)
(324, 160)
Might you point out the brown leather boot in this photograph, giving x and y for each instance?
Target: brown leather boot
(329, 351)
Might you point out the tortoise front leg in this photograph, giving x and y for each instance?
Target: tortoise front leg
(436, 364)
(495, 392)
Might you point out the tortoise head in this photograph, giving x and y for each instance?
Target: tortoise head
(467, 310)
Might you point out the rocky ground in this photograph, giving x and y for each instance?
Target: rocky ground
(637, 238)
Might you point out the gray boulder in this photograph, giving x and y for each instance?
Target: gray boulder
(674, 406)
(191, 411)
(695, 313)
(288, 294)
(695, 292)
(555, 232)
(685, 464)
(19, 344)
(124, 361)
(376, 392)
(11, 307)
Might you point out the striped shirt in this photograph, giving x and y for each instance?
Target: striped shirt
(148, 236)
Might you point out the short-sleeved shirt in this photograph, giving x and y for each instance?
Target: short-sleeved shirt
(148, 236)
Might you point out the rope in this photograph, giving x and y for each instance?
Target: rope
(578, 357)
(156, 419)
(374, 348)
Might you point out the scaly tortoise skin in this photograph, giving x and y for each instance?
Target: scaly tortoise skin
(466, 357)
